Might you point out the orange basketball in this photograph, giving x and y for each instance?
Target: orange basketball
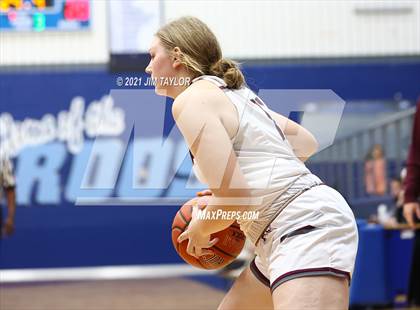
(230, 244)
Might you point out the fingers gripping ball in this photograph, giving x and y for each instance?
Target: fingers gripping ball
(230, 244)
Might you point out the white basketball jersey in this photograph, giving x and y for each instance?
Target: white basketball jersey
(265, 157)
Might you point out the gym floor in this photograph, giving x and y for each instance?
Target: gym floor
(164, 293)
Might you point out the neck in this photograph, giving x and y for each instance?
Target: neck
(183, 81)
(174, 92)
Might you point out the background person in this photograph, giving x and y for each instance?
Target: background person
(7, 189)
(412, 206)
(375, 171)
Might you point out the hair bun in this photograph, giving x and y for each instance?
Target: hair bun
(229, 71)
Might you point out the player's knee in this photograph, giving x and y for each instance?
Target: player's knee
(312, 293)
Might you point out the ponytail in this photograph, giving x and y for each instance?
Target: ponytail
(229, 71)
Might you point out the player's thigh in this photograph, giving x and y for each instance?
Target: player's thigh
(247, 293)
(316, 292)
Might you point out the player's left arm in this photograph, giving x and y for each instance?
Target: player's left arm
(303, 142)
(199, 122)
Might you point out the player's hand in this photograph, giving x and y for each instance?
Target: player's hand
(9, 227)
(198, 204)
(411, 210)
(198, 244)
(206, 192)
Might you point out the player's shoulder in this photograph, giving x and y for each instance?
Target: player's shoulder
(202, 96)
(203, 89)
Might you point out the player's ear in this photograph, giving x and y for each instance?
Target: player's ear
(177, 55)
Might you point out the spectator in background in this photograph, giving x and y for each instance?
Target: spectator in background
(393, 215)
(397, 193)
(7, 189)
(412, 206)
(375, 171)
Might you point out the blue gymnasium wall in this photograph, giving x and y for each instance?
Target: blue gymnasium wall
(52, 232)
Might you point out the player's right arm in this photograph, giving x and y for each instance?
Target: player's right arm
(197, 117)
(303, 142)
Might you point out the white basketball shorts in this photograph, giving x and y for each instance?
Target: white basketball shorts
(316, 234)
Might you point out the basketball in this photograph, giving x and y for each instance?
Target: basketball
(230, 244)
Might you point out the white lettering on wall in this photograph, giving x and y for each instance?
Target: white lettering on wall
(101, 118)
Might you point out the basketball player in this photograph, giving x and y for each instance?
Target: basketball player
(252, 159)
(7, 186)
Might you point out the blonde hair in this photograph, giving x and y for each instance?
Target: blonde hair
(200, 51)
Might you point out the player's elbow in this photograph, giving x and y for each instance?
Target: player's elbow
(311, 145)
(233, 199)
(231, 192)
(305, 149)
(314, 146)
